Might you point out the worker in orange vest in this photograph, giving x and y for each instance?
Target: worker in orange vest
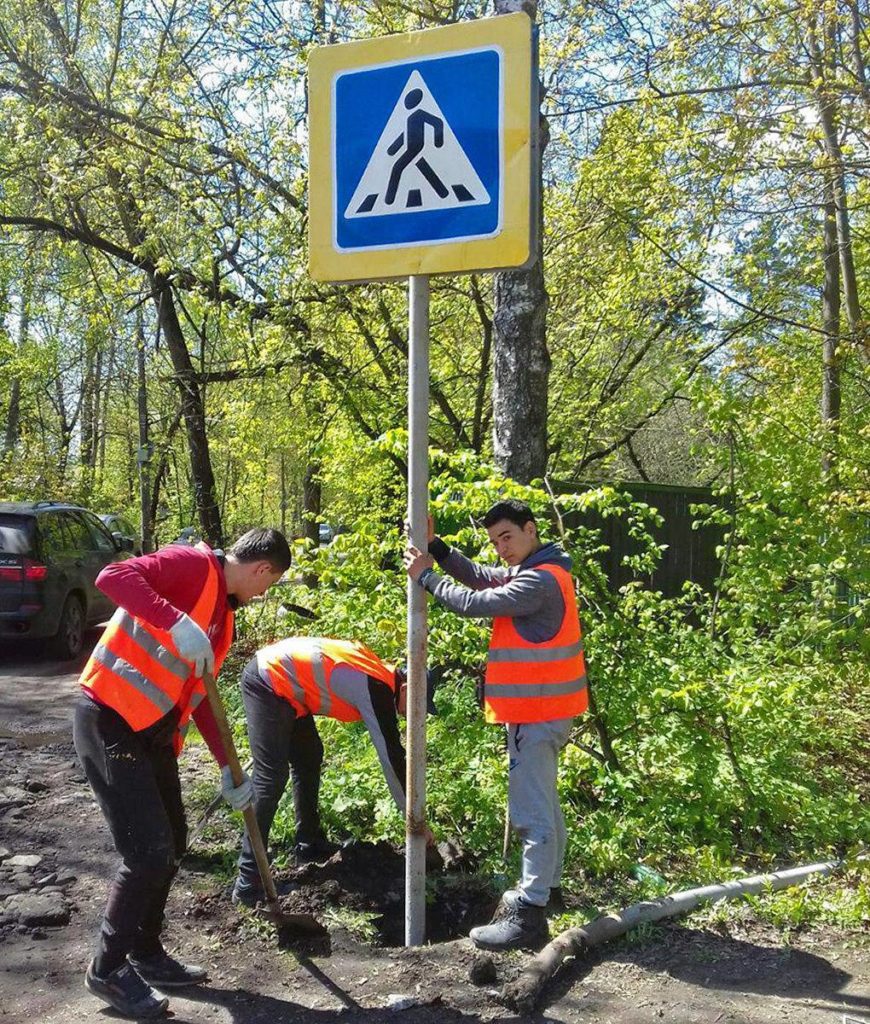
(140, 688)
(535, 684)
(284, 687)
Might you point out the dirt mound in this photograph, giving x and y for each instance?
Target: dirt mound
(362, 889)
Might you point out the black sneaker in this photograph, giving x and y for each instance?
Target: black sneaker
(127, 992)
(167, 972)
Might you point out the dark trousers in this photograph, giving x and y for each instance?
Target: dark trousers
(135, 780)
(281, 743)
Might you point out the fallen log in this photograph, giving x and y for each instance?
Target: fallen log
(524, 991)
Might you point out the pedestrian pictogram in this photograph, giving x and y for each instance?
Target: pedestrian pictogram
(418, 163)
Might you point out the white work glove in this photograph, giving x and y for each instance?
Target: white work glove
(193, 644)
(238, 797)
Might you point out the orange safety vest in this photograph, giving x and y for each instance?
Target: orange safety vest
(136, 670)
(300, 667)
(529, 682)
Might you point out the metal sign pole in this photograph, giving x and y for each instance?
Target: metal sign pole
(418, 500)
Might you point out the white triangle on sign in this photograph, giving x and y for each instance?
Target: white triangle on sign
(418, 164)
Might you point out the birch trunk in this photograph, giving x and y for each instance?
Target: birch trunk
(827, 107)
(830, 358)
(521, 363)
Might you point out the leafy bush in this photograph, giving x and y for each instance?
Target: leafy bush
(724, 729)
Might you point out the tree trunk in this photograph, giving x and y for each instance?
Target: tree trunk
(827, 106)
(143, 457)
(312, 497)
(283, 494)
(521, 365)
(831, 323)
(66, 429)
(857, 55)
(193, 410)
(13, 416)
(103, 412)
(90, 407)
(478, 428)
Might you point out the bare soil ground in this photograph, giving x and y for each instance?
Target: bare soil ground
(679, 973)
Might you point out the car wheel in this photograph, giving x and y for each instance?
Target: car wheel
(70, 637)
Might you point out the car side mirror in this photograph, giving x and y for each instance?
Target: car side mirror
(122, 543)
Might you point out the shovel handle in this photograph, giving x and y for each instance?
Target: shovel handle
(257, 845)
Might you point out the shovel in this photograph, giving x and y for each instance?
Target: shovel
(288, 926)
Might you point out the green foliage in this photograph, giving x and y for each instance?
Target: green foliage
(725, 743)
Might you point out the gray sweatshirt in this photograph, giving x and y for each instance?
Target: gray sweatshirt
(529, 595)
(377, 705)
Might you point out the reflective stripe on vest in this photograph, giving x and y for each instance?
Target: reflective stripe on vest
(537, 682)
(300, 668)
(544, 654)
(115, 663)
(136, 670)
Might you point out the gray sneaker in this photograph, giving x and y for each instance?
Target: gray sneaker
(516, 925)
(127, 992)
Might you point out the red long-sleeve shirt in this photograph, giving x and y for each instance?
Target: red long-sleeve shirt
(159, 588)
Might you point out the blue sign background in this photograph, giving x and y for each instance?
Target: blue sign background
(466, 88)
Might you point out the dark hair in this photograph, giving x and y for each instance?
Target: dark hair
(263, 545)
(514, 511)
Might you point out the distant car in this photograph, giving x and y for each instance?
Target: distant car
(325, 533)
(50, 556)
(127, 531)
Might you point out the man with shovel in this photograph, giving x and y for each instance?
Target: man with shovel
(535, 685)
(283, 688)
(140, 688)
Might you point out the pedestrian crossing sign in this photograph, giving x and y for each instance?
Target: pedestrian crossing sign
(421, 152)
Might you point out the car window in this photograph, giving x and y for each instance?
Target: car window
(102, 538)
(16, 534)
(54, 539)
(78, 534)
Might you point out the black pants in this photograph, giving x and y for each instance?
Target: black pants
(280, 743)
(134, 777)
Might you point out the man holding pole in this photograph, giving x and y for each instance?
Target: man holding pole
(140, 688)
(535, 685)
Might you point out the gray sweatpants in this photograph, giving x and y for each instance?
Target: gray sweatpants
(533, 803)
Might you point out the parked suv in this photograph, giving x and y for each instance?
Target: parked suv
(50, 556)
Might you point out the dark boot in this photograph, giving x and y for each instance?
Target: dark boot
(556, 902)
(516, 925)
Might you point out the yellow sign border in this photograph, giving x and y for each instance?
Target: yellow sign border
(512, 33)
